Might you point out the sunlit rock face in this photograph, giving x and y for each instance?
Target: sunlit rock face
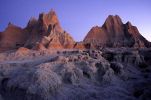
(114, 33)
(47, 31)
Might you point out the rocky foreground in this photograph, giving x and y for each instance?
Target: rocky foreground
(106, 74)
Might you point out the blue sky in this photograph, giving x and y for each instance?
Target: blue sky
(78, 16)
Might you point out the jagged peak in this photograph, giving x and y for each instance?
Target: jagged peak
(11, 25)
(114, 16)
(41, 15)
(113, 24)
(129, 24)
(32, 21)
(52, 12)
(49, 14)
(113, 19)
(49, 18)
(95, 27)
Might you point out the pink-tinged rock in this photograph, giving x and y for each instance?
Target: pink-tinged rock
(114, 33)
(13, 37)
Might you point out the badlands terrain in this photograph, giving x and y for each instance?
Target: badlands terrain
(43, 62)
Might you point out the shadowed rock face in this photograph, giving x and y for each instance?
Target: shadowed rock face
(114, 33)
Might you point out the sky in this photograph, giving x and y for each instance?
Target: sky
(77, 17)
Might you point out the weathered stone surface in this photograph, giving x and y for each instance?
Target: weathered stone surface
(39, 46)
(13, 37)
(114, 33)
(72, 74)
(22, 51)
(79, 45)
(60, 40)
(47, 31)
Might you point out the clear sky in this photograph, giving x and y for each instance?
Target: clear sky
(78, 16)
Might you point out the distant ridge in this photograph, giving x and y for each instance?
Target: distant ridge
(47, 33)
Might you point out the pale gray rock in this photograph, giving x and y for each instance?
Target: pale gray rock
(76, 75)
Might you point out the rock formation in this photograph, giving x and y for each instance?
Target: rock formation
(13, 37)
(48, 32)
(45, 31)
(79, 45)
(114, 33)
